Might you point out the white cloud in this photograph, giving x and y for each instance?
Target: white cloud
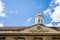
(13, 12)
(58, 24)
(29, 19)
(1, 24)
(48, 12)
(2, 13)
(49, 24)
(57, 1)
(55, 15)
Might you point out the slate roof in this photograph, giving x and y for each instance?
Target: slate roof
(18, 28)
(56, 28)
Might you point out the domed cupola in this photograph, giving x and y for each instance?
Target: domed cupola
(39, 18)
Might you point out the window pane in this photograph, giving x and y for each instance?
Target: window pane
(38, 28)
(38, 20)
(20, 39)
(2, 38)
(38, 38)
(56, 39)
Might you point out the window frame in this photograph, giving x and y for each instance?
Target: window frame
(38, 20)
(39, 28)
(38, 38)
(3, 38)
(20, 38)
(55, 38)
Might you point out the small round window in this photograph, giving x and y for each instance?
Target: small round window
(38, 28)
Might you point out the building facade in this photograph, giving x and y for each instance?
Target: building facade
(38, 31)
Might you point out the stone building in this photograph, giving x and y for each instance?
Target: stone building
(38, 31)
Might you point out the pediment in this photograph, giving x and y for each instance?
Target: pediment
(37, 28)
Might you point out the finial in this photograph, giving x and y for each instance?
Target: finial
(39, 8)
(39, 17)
(38, 13)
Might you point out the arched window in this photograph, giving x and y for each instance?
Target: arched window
(41, 20)
(38, 20)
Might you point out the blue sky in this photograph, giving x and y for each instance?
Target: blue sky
(22, 12)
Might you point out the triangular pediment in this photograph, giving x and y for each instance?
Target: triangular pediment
(37, 28)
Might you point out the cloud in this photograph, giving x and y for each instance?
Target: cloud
(58, 24)
(13, 12)
(56, 15)
(48, 12)
(2, 13)
(49, 24)
(53, 11)
(1, 24)
(29, 19)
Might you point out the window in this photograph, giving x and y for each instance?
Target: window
(41, 21)
(55, 39)
(38, 28)
(19, 38)
(38, 38)
(38, 20)
(2, 38)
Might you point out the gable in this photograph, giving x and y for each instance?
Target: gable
(38, 29)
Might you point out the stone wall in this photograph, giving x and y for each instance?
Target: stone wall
(31, 37)
(9, 38)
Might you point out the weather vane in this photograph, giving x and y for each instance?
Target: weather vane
(39, 8)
